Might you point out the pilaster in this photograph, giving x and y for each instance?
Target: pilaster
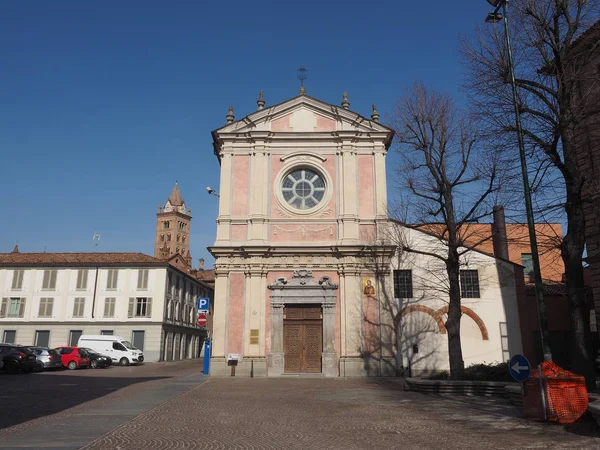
(329, 359)
(259, 191)
(220, 315)
(224, 219)
(352, 313)
(349, 229)
(275, 360)
(380, 184)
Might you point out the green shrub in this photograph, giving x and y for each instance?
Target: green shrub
(479, 372)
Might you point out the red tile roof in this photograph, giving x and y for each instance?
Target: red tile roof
(63, 259)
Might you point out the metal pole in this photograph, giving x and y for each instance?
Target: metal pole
(537, 275)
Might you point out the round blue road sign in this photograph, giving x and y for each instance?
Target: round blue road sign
(519, 368)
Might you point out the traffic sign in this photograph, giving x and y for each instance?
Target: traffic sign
(203, 304)
(201, 320)
(519, 368)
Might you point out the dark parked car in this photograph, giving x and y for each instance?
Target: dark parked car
(97, 359)
(17, 358)
(47, 358)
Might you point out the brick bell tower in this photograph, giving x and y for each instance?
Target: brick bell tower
(173, 231)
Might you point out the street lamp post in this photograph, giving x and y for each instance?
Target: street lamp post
(495, 17)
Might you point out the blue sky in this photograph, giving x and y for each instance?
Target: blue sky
(103, 105)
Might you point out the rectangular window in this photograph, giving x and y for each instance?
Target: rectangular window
(49, 280)
(17, 280)
(142, 279)
(74, 337)
(42, 338)
(403, 286)
(111, 281)
(109, 306)
(106, 332)
(469, 284)
(140, 307)
(527, 263)
(46, 305)
(504, 341)
(78, 307)
(82, 279)
(10, 336)
(12, 307)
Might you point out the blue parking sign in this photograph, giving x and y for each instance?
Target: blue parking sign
(203, 304)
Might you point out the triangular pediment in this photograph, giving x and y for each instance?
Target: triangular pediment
(304, 114)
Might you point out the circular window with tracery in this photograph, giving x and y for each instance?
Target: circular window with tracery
(303, 188)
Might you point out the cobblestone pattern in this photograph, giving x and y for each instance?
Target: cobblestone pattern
(33, 397)
(253, 414)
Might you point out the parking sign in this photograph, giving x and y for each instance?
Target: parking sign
(203, 304)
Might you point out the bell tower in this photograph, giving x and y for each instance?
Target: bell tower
(173, 230)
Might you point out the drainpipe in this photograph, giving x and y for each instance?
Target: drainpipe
(94, 297)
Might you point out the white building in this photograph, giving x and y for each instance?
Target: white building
(50, 299)
(490, 326)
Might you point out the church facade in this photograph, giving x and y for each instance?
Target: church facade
(304, 275)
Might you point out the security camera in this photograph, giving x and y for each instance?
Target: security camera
(209, 189)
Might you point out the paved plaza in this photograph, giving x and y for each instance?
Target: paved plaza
(173, 406)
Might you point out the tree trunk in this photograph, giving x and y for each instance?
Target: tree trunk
(457, 365)
(572, 249)
(579, 308)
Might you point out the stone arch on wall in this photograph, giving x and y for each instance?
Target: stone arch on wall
(437, 316)
(473, 315)
(427, 310)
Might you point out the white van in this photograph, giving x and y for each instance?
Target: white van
(116, 347)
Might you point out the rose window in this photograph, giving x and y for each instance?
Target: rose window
(303, 189)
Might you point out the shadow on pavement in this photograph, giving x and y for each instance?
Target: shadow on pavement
(24, 397)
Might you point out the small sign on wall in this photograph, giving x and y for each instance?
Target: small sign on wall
(254, 337)
(368, 286)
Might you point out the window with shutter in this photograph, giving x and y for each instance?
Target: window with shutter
(112, 280)
(46, 305)
(21, 307)
(12, 307)
(131, 309)
(4, 307)
(109, 306)
(46, 280)
(53, 274)
(78, 307)
(142, 279)
(82, 278)
(17, 280)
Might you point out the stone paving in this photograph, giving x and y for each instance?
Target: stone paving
(172, 406)
(313, 413)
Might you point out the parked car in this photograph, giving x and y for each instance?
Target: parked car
(97, 359)
(47, 358)
(17, 358)
(120, 350)
(73, 357)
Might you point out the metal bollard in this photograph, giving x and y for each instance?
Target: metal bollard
(207, 351)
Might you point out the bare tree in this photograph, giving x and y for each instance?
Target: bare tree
(548, 70)
(446, 179)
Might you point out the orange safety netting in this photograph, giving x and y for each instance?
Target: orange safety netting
(565, 394)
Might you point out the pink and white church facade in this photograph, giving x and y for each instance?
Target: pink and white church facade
(303, 274)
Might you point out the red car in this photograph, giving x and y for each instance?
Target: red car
(74, 357)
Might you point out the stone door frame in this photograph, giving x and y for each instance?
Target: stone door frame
(303, 289)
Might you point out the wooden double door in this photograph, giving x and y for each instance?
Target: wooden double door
(302, 338)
